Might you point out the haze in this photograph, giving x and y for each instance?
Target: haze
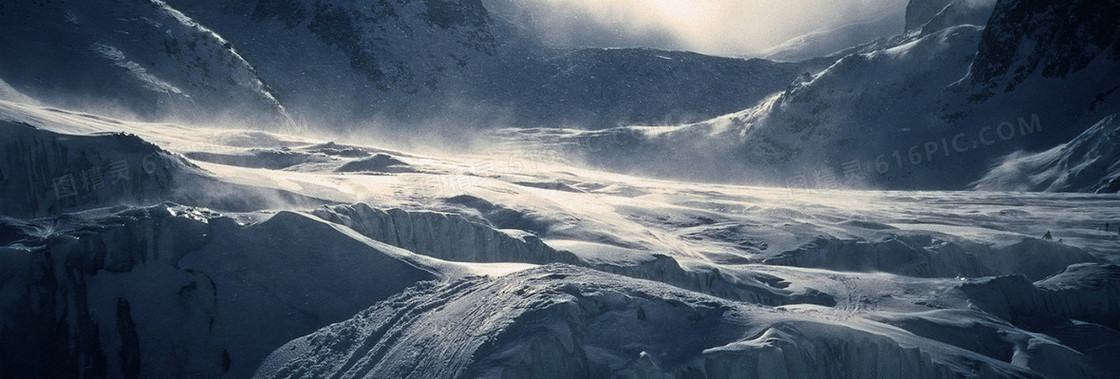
(719, 27)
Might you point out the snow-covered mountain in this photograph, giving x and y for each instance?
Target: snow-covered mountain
(1088, 163)
(131, 58)
(342, 65)
(938, 104)
(351, 60)
(931, 108)
(132, 246)
(452, 62)
(1028, 40)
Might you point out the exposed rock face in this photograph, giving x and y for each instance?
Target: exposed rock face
(1052, 40)
(404, 46)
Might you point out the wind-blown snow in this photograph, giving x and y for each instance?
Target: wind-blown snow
(1088, 163)
(886, 114)
(642, 277)
(141, 249)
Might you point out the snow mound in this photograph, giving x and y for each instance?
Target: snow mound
(981, 333)
(377, 163)
(503, 217)
(334, 149)
(558, 321)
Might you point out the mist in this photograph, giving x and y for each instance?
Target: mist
(716, 27)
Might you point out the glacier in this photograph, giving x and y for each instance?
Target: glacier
(544, 270)
(395, 188)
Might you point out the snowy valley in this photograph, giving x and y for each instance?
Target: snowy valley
(266, 189)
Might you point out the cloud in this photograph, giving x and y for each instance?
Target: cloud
(722, 27)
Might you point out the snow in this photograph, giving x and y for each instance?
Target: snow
(131, 59)
(11, 94)
(141, 74)
(826, 42)
(931, 15)
(1088, 163)
(406, 64)
(558, 321)
(200, 285)
(231, 251)
(771, 279)
(907, 97)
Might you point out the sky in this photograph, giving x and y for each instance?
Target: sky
(719, 27)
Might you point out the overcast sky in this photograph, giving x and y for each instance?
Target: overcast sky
(722, 27)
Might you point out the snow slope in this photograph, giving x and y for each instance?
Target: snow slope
(824, 43)
(1088, 163)
(932, 15)
(558, 321)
